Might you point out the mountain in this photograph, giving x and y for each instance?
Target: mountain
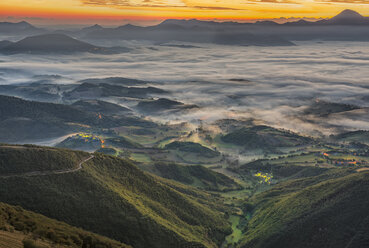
(88, 90)
(111, 197)
(228, 33)
(19, 28)
(49, 44)
(323, 108)
(129, 27)
(197, 176)
(163, 105)
(329, 210)
(192, 147)
(348, 17)
(100, 107)
(22, 228)
(116, 80)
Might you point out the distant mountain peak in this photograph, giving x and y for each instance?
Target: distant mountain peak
(24, 23)
(49, 43)
(349, 17)
(348, 14)
(93, 28)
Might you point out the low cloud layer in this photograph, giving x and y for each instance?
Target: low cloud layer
(267, 83)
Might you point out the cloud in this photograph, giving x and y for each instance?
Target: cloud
(131, 3)
(274, 86)
(154, 3)
(344, 1)
(274, 1)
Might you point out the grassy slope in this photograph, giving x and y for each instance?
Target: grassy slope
(197, 176)
(354, 136)
(330, 210)
(18, 224)
(279, 171)
(21, 159)
(264, 137)
(112, 197)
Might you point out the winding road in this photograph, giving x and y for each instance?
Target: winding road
(53, 172)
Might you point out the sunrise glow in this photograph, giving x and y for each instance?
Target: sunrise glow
(118, 11)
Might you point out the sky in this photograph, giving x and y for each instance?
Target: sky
(146, 12)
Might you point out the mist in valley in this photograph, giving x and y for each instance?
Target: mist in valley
(271, 84)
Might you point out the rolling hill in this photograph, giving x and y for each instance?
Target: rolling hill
(163, 106)
(94, 91)
(20, 228)
(112, 197)
(18, 28)
(264, 137)
(29, 120)
(329, 210)
(192, 147)
(50, 44)
(197, 176)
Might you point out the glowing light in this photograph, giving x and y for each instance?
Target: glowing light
(118, 11)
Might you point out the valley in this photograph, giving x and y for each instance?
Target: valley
(186, 133)
(204, 185)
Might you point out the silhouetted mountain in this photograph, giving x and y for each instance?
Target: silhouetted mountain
(261, 33)
(163, 105)
(92, 28)
(265, 23)
(129, 27)
(50, 43)
(348, 17)
(227, 33)
(300, 22)
(18, 27)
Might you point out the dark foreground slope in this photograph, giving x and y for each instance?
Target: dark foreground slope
(19, 226)
(330, 210)
(112, 197)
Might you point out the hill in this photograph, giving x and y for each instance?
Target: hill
(264, 137)
(106, 108)
(112, 197)
(23, 159)
(29, 120)
(196, 175)
(323, 108)
(49, 44)
(330, 210)
(94, 91)
(116, 81)
(353, 136)
(163, 105)
(187, 31)
(192, 147)
(18, 28)
(36, 91)
(21, 228)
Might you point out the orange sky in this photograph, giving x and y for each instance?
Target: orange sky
(123, 11)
